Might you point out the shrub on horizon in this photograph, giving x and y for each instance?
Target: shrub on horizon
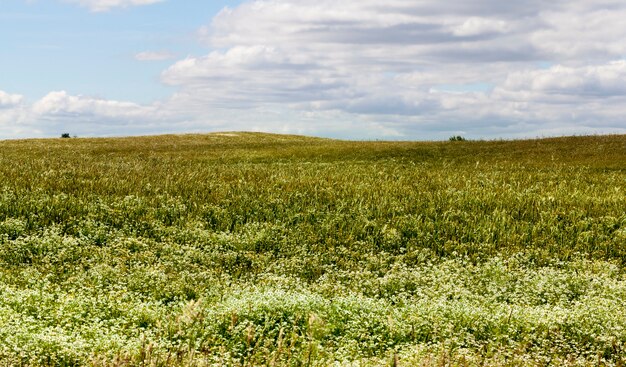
(457, 138)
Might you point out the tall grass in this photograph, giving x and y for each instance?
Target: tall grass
(254, 249)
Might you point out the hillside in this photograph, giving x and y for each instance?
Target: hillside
(259, 249)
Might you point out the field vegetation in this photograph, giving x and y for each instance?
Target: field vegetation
(246, 249)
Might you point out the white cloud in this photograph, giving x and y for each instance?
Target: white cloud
(366, 60)
(586, 82)
(106, 5)
(61, 104)
(583, 32)
(154, 56)
(366, 69)
(13, 115)
(476, 26)
(84, 115)
(9, 100)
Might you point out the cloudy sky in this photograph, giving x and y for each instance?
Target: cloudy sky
(359, 69)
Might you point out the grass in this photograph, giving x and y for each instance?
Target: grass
(246, 249)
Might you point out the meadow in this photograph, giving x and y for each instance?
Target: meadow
(249, 249)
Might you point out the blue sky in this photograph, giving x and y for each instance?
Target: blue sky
(50, 45)
(357, 69)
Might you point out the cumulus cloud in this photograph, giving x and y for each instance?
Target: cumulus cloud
(582, 32)
(476, 26)
(606, 80)
(106, 5)
(365, 60)
(9, 100)
(399, 69)
(13, 115)
(85, 115)
(247, 76)
(61, 104)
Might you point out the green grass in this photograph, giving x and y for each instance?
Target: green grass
(250, 249)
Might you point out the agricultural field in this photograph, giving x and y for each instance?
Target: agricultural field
(248, 249)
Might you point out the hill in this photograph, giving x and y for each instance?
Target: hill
(259, 249)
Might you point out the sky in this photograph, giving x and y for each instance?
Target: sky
(351, 69)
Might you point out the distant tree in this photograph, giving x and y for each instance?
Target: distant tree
(457, 138)
(65, 135)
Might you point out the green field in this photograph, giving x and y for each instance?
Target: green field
(250, 249)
